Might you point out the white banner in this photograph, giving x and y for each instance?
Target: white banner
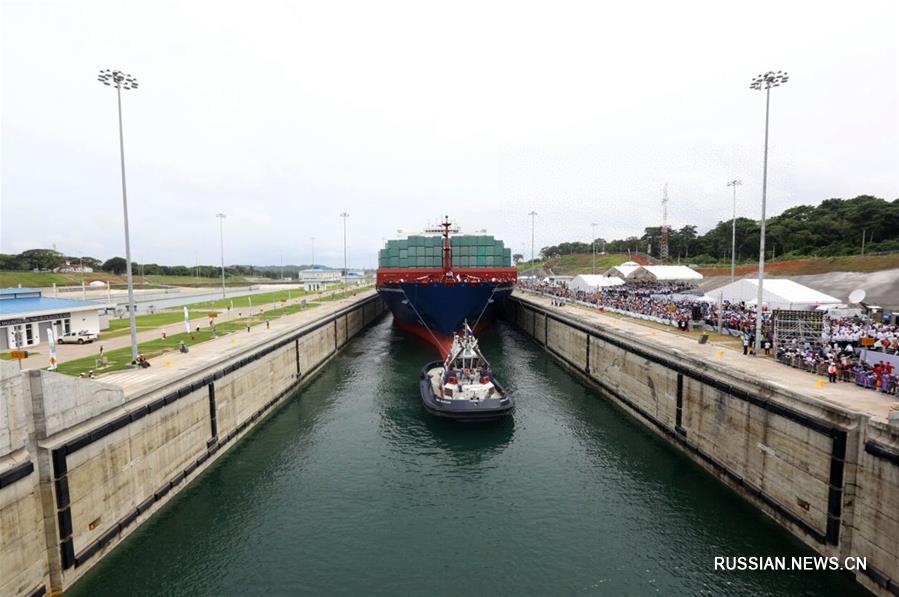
(186, 321)
(51, 342)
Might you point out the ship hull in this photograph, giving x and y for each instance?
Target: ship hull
(435, 311)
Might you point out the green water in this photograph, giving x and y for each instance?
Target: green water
(351, 489)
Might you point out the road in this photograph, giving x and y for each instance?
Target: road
(67, 352)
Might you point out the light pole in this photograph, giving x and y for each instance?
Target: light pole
(593, 243)
(120, 80)
(764, 81)
(221, 218)
(733, 238)
(312, 238)
(344, 215)
(533, 215)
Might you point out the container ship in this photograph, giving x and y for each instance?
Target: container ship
(435, 282)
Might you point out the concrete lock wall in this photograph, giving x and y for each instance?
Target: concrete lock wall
(830, 476)
(82, 466)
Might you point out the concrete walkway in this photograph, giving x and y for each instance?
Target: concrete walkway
(174, 364)
(846, 395)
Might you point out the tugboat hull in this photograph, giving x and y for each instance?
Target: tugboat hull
(490, 409)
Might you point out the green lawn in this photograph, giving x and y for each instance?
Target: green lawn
(192, 280)
(120, 358)
(46, 279)
(197, 311)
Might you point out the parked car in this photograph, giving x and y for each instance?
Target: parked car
(81, 337)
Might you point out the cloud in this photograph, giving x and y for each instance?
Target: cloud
(284, 114)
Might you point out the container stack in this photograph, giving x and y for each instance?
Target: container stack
(427, 251)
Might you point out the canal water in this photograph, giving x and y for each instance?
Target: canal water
(351, 489)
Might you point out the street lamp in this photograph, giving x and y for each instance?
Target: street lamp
(120, 80)
(344, 215)
(733, 240)
(221, 218)
(533, 215)
(593, 243)
(764, 81)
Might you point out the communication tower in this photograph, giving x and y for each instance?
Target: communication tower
(663, 246)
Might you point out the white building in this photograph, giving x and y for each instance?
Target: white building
(777, 293)
(317, 274)
(664, 273)
(624, 270)
(558, 280)
(72, 268)
(25, 316)
(589, 283)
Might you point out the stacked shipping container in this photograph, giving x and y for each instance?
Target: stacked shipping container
(427, 251)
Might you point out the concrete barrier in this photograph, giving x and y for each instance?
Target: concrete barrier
(827, 474)
(81, 466)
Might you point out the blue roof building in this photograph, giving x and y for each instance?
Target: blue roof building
(25, 316)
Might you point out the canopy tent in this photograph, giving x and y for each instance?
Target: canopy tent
(664, 273)
(589, 283)
(624, 270)
(776, 294)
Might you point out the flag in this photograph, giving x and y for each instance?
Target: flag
(186, 321)
(51, 342)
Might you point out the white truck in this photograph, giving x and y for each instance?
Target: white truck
(80, 337)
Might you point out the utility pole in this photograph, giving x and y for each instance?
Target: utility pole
(120, 80)
(864, 230)
(344, 215)
(593, 245)
(733, 238)
(764, 81)
(533, 215)
(221, 218)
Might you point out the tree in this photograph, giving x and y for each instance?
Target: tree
(517, 257)
(42, 259)
(116, 265)
(12, 263)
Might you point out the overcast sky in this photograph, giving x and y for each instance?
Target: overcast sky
(284, 114)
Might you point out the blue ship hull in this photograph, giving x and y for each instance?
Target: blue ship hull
(442, 308)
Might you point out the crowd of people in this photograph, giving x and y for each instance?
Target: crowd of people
(847, 350)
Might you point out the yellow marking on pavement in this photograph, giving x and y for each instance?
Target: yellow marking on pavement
(168, 363)
(820, 383)
(720, 354)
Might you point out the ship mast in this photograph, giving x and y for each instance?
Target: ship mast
(447, 251)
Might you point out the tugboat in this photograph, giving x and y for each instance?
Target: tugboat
(462, 387)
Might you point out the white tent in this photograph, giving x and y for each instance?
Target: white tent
(588, 283)
(624, 270)
(665, 273)
(777, 293)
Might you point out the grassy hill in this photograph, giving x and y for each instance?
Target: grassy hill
(813, 265)
(580, 263)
